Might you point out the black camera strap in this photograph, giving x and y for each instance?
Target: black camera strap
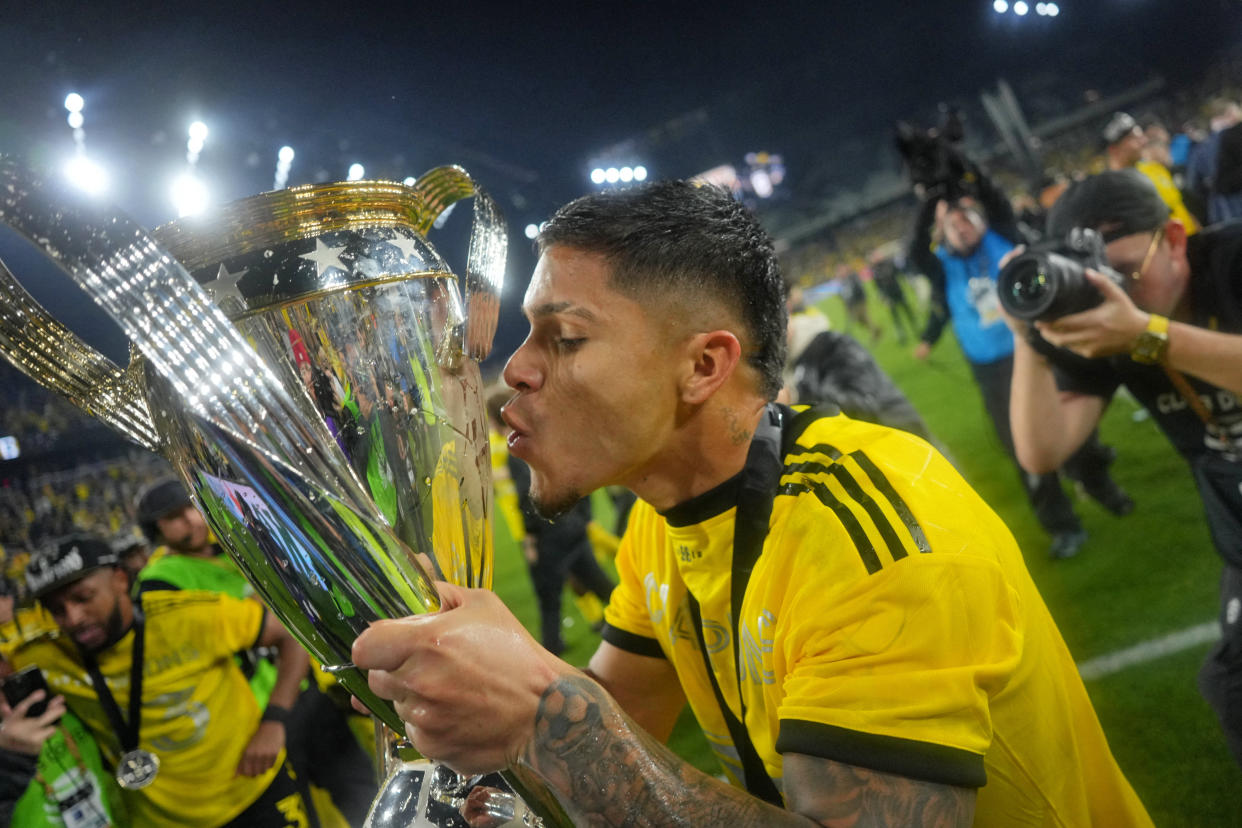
(760, 477)
(126, 731)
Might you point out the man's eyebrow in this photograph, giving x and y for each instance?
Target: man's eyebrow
(552, 308)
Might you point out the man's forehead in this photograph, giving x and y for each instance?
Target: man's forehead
(569, 281)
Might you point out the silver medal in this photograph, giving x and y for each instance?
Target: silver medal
(137, 769)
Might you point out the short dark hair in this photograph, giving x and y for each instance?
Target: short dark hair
(690, 239)
(1116, 203)
(157, 501)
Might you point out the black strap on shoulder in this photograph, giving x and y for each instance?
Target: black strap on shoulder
(760, 478)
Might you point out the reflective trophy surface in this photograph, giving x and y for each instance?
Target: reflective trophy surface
(308, 364)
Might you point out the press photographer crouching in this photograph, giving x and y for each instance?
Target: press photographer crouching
(1165, 325)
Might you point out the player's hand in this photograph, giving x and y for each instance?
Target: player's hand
(922, 351)
(1107, 329)
(263, 749)
(22, 734)
(467, 680)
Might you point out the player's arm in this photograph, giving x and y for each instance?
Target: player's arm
(1209, 355)
(613, 773)
(646, 687)
(291, 666)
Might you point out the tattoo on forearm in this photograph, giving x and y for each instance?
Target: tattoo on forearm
(607, 771)
(610, 772)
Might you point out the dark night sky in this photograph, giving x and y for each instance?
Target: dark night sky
(523, 95)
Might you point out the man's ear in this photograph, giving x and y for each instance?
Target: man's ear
(714, 357)
(1175, 235)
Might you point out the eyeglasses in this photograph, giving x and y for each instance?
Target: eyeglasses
(1151, 252)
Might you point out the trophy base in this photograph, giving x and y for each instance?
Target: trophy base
(424, 794)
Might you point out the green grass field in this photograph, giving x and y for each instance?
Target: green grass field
(1150, 573)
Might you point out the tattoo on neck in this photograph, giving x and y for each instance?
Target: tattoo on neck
(738, 433)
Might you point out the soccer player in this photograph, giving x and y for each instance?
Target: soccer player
(156, 684)
(854, 629)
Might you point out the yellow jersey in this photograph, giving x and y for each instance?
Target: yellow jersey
(889, 623)
(1159, 176)
(198, 712)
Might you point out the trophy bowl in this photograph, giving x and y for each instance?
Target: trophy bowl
(308, 364)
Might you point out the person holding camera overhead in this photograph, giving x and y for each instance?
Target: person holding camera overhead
(962, 271)
(1167, 328)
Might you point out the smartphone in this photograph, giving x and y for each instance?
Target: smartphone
(24, 682)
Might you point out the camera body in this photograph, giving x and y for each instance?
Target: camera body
(934, 158)
(1049, 281)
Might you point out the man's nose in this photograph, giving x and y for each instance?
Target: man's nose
(521, 373)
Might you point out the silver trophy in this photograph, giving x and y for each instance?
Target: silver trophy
(308, 364)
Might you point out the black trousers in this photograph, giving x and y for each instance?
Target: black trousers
(1220, 679)
(549, 573)
(324, 751)
(1088, 464)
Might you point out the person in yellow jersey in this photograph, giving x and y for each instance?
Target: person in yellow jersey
(853, 627)
(1124, 142)
(156, 684)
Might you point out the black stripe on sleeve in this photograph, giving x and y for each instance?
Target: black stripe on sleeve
(859, 538)
(913, 759)
(855, 491)
(899, 506)
(156, 585)
(631, 642)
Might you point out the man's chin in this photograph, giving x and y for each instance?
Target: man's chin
(551, 505)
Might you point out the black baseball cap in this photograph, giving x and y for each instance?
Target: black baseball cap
(159, 500)
(71, 559)
(1116, 203)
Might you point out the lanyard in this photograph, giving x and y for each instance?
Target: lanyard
(126, 732)
(760, 478)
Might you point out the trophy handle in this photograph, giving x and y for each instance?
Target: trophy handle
(440, 188)
(52, 355)
(179, 330)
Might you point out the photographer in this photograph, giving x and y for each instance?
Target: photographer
(962, 272)
(1170, 337)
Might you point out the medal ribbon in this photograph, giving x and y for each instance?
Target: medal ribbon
(127, 732)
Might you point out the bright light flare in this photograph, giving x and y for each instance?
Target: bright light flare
(198, 131)
(410, 181)
(189, 195)
(285, 155)
(1053, 9)
(532, 230)
(640, 173)
(1020, 8)
(627, 174)
(612, 175)
(356, 172)
(597, 175)
(75, 120)
(74, 102)
(1000, 6)
(86, 175)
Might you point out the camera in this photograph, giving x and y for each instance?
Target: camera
(24, 682)
(934, 158)
(1049, 281)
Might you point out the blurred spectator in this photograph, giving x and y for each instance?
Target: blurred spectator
(1124, 141)
(963, 274)
(1201, 166)
(854, 295)
(888, 281)
(195, 737)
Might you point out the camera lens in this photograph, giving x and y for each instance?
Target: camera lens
(1027, 287)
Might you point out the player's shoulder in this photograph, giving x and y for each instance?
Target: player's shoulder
(169, 603)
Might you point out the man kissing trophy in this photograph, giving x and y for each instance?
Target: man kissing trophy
(308, 363)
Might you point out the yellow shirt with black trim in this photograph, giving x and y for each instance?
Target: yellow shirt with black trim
(198, 712)
(889, 623)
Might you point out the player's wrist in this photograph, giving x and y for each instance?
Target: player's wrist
(276, 714)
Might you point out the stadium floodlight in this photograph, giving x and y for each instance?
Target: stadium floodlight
(597, 176)
(409, 181)
(1000, 6)
(189, 195)
(627, 174)
(86, 175)
(74, 102)
(285, 154)
(198, 131)
(532, 230)
(640, 173)
(75, 120)
(356, 172)
(612, 175)
(1020, 8)
(1053, 9)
